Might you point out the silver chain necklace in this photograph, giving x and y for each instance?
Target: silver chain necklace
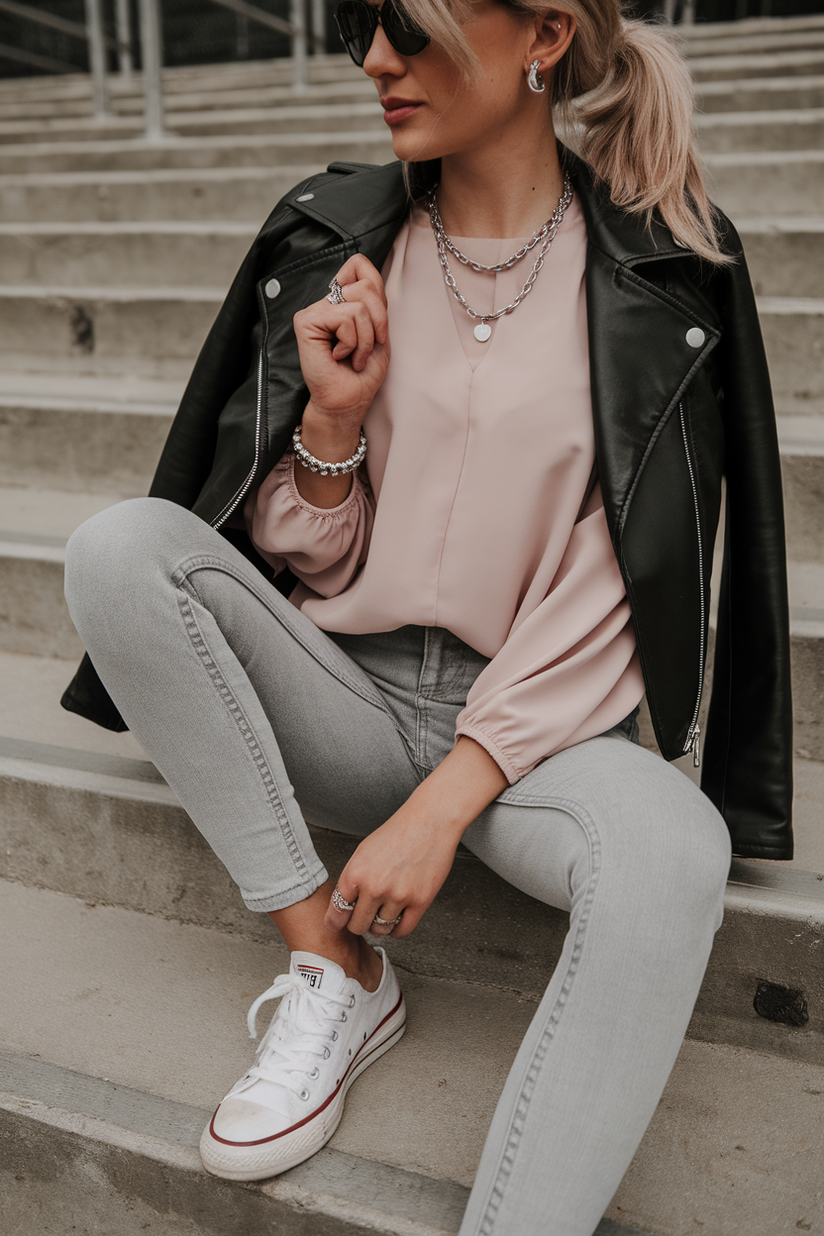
(544, 236)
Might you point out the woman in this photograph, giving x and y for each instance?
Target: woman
(496, 534)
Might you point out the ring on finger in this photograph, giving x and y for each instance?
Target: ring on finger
(340, 902)
(336, 296)
(387, 922)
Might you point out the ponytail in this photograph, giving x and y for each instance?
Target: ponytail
(622, 97)
(633, 125)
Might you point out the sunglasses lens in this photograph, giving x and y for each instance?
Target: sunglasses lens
(406, 37)
(357, 23)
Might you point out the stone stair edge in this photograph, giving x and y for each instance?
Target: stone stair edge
(772, 932)
(323, 1197)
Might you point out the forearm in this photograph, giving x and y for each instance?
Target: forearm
(332, 439)
(460, 788)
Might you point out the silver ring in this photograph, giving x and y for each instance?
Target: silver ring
(387, 922)
(336, 296)
(340, 902)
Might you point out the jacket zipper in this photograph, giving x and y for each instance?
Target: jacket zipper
(247, 484)
(693, 743)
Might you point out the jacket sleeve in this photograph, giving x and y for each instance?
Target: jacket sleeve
(748, 754)
(221, 369)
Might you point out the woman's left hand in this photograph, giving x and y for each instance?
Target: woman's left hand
(400, 867)
(397, 869)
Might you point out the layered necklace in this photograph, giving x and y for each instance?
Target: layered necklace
(543, 237)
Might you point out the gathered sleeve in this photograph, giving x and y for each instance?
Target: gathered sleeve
(323, 547)
(569, 670)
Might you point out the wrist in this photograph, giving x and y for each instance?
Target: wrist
(333, 436)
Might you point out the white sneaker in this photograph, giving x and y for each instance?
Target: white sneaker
(327, 1029)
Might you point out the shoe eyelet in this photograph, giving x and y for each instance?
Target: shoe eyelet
(364, 1036)
(351, 1002)
(327, 1053)
(343, 1017)
(350, 1051)
(334, 1036)
(304, 1094)
(315, 1074)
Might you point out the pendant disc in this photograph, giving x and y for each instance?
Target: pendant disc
(482, 332)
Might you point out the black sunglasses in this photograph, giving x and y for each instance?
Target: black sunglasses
(358, 21)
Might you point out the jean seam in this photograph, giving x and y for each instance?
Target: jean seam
(246, 731)
(201, 562)
(506, 1163)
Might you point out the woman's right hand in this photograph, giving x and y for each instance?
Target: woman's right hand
(344, 349)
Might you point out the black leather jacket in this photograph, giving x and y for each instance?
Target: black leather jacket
(680, 397)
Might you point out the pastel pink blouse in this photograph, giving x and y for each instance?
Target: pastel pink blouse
(478, 508)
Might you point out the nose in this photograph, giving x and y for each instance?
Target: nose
(382, 60)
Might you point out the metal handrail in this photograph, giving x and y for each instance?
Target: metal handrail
(295, 28)
(47, 63)
(74, 28)
(152, 49)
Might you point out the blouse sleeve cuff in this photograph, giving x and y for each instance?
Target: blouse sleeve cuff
(510, 770)
(333, 513)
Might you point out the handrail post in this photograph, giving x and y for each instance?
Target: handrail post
(151, 48)
(297, 16)
(124, 38)
(318, 27)
(97, 59)
(151, 41)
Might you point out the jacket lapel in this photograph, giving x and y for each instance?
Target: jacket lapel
(640, 359)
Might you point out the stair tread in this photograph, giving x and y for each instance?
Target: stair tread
(89, 391)
(34, 728)
(136, 1021)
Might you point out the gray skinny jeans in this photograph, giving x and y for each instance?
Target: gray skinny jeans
(260, 721)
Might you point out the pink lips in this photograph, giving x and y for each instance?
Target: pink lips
(397, 110)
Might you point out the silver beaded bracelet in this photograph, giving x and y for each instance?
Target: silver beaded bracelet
(307, 459)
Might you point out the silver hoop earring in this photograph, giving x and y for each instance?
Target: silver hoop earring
(536, 83)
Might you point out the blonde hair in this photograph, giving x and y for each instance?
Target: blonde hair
(623, 102)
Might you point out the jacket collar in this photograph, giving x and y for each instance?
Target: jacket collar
(370, 198)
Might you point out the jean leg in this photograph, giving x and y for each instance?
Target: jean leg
(247, 709)
(640, 857)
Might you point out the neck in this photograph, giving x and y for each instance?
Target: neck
(505, 190)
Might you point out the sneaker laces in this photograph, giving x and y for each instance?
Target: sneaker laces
(299, 1029)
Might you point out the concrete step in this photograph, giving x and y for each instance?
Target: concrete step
(105, 1099)
(757, 94)
(306, 118)
(152, 195)
(113, 254)
(794, 336)
(760, 64)
(802, 462)
(106, 829)
(35, 524)
(321, 70)
(749, 183)
(743, 184)
(157, 331)
(146, 332)
(747, 43)
(90, 434)
(214, 95)
(238, 150)
(785, 254)
(83, 434)
(722, 132)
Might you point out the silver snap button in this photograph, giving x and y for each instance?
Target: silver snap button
(272, 290)
(695, 336)
(305, 197)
